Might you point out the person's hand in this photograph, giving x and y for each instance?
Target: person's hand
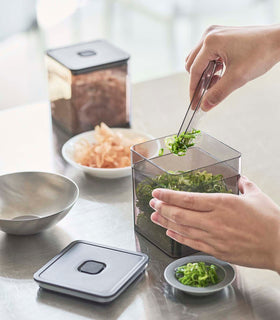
(243, 229)
(246, 52)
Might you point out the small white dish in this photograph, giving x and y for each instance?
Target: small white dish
(225, 273)
(68, 150)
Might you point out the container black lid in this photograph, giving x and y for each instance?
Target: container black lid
(89, 56)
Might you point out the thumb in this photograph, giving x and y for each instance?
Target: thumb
(220, 90)
(246, 186)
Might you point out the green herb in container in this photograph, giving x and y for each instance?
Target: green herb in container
(179, 144)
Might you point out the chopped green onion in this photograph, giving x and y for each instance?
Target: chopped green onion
(197, 274)
(180, 144)
(161, 151)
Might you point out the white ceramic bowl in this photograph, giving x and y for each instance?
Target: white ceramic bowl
(68, 150)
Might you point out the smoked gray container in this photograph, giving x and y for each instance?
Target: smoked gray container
(151, 171)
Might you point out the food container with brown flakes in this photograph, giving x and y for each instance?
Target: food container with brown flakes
(89, 84)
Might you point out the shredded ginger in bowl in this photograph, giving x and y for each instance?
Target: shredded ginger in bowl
(111, 149)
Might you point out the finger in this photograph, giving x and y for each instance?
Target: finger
(187, 58)
(192, 55)
(195, 219)
(188, 200)
(246, 186)
(193, 243)
(200, 63)
(214, 80)
(223, 88)
(192, 233)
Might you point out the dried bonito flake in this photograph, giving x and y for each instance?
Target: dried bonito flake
(111, 149)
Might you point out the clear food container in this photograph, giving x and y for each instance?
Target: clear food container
(89, 84)
(209, 166)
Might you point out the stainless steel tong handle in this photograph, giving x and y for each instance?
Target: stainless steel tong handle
(199, 92)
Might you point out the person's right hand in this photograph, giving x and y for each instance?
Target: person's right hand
(247, 52)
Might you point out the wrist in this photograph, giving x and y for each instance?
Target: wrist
(276, 251)
(273, 45)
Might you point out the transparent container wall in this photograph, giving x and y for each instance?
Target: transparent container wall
(209, 166)
(80, 102)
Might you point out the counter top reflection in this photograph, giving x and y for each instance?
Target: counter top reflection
(103, 213)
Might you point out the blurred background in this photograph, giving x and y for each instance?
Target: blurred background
(157, 33)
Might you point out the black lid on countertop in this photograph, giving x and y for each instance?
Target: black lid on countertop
(89, 56)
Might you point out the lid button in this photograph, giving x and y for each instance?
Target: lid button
(86, 53)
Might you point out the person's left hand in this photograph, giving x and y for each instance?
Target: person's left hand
(243, 229)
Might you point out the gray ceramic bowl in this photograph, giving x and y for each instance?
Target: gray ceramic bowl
(31, 202)
(225, 273)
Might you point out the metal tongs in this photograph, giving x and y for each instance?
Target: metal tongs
(214, 67)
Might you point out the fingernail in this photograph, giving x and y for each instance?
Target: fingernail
(154, 217)
(156, 193)
(152, 203)
(170, 233)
